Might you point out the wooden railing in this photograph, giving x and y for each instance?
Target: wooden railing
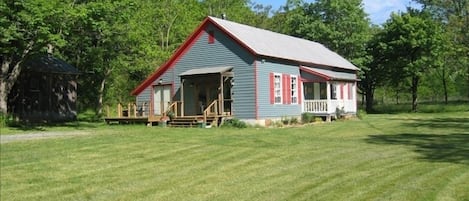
(127, 110)
(173, 108)
(315, 106)
(212, 108)
(328, 106)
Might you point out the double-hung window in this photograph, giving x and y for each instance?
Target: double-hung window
(294, 89)
(277, 88)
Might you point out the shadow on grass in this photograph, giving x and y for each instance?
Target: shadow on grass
(440, 123)
(453, 148)
(58, 126)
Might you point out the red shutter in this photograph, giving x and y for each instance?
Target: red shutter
(350, 91)
(284, 89)
(299, 92)
(341, 91)
(272, 88)
(288, 89)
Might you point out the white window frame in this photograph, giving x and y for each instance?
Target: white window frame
(294, 89)
(278, 98)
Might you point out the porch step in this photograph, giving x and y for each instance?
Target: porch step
(192, 122)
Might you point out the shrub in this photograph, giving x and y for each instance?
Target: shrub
(361, 114)
(307, 118)
(285, 120)
(294, 120)
(234, 123)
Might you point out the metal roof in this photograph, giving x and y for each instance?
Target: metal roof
(49, 64)
(332, 75)
(272, 44)
(211, 70)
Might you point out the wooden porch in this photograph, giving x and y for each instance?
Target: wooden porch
(212, 116)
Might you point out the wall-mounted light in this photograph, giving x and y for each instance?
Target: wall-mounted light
(232, 82)
(160, 81)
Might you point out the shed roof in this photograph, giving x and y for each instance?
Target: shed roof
(330, 74)
(211, 70)
(49, 64)
(272, 44)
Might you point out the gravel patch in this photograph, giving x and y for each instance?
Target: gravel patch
(39, 135)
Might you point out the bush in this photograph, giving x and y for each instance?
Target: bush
(234, 123)
(307, 118)
(294, 120)
(361, 114)
(285, 120)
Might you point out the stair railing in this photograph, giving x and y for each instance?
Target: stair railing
(212, 108)
(173, 108)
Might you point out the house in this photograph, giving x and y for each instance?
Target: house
(230, 69)
(45, 91)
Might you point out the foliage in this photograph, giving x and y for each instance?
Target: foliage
(234, 123)
(307, 118)
(409, 44)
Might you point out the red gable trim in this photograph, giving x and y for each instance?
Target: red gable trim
(174, 58)
(327, 78)
(183, 49)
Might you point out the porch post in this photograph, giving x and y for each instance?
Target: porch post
(182, 98)
(221, 98)
(328, 92)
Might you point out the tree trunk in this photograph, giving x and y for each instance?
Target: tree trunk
(369, 99)
(8, 79)
(445, 88)
(3, 97)
(99, 109)
(414, 88)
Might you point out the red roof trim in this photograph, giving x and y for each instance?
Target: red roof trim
(250, 50)
(174, 58)
(327, 78)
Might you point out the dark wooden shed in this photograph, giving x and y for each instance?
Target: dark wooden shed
(46, 91)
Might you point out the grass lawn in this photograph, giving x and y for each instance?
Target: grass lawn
(382, 157)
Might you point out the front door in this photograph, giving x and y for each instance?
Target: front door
(161, 98)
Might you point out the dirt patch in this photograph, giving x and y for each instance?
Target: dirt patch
(39, 135)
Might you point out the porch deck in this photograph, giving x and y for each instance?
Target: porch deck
(131, 113)
(329, 107)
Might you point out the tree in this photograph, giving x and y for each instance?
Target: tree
(27, 27)
(410, 42)
(374, 72)
(342, 26)
(455, 15)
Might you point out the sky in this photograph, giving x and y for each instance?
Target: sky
(378, 10)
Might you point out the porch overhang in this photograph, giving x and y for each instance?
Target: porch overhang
(205, 71)
(330, 75)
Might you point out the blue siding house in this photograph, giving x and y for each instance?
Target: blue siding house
(227, 69)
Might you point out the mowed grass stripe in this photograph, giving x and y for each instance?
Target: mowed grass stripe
(325, 177)
(451, 192)
(338, 161)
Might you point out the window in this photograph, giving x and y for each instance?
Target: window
(334, 91)
(294, 89)
(211, 37)
(277, 89)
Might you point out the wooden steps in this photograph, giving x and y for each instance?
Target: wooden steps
(193, 121)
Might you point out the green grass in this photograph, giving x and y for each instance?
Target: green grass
(382, 157)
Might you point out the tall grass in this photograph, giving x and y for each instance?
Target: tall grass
(427, 107)
(382, 157)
